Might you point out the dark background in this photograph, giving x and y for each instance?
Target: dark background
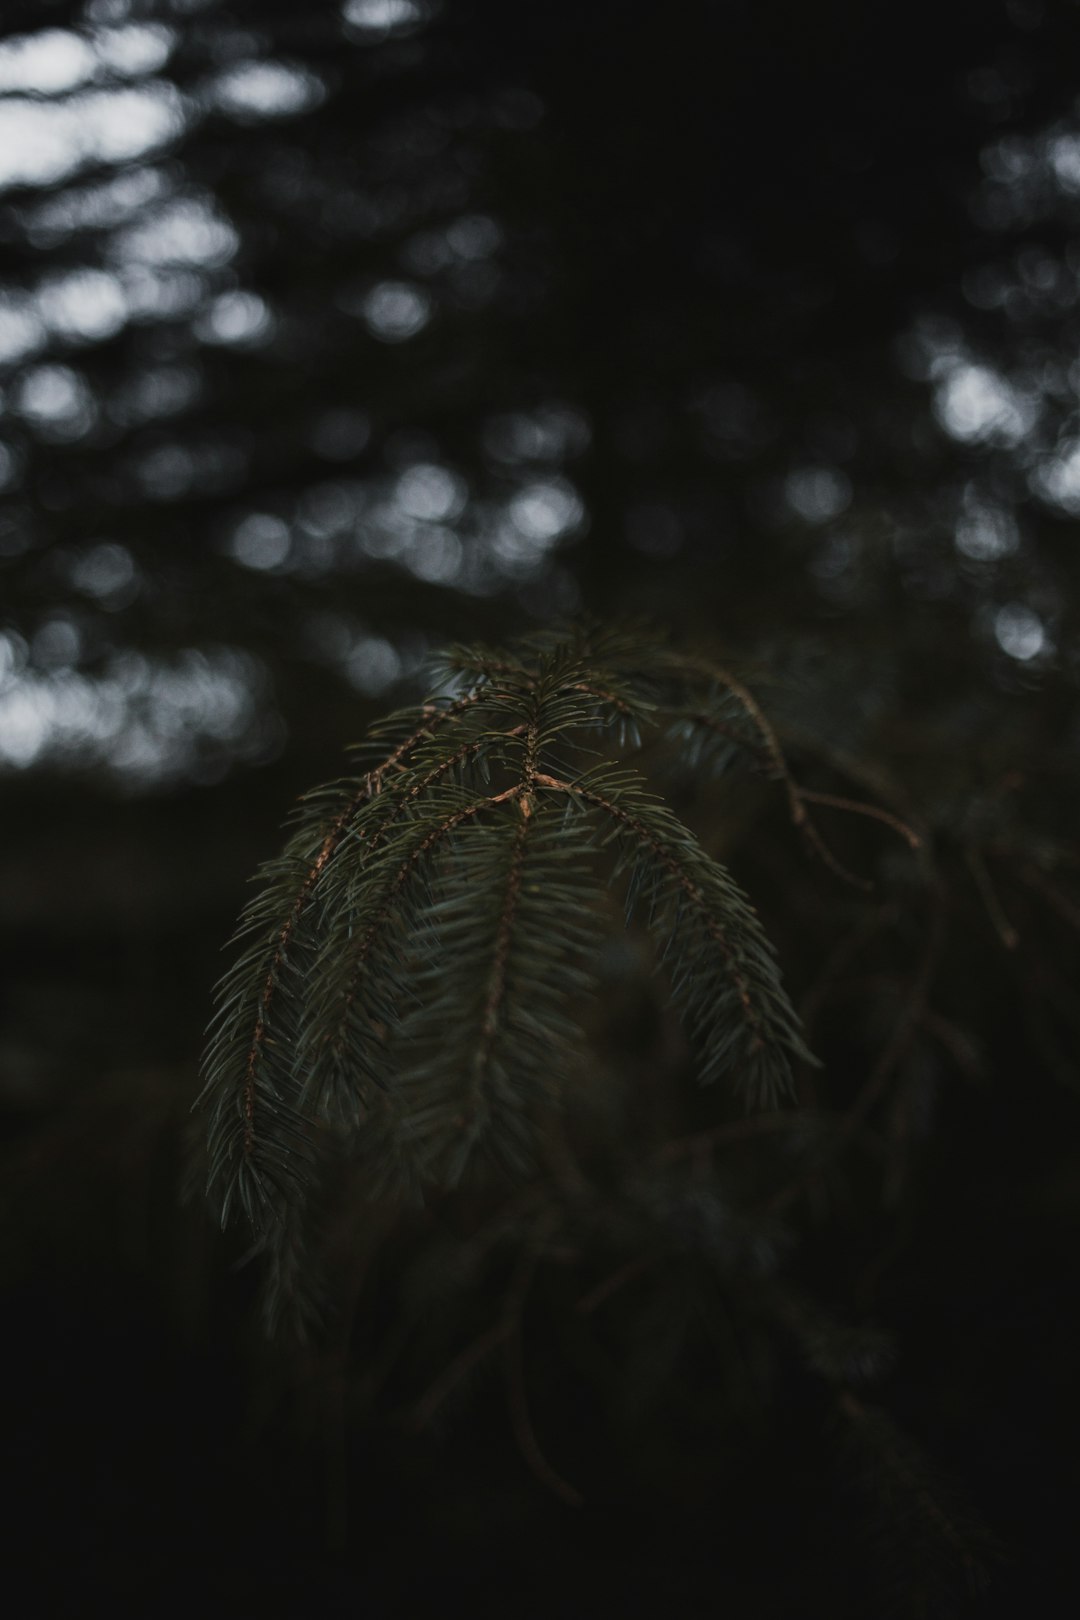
(329, 333)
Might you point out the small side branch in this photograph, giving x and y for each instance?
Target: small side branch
(370, 786)
(329, 845)
(614, 1282)
(1062, 904)
(524, 1432)
(856, 807)
(394, 888)
(877, 1433)
(506, 1331)
(771, 756)
(436, 774)
(907, 1026)
(988, 894)
(496, 989)
(460, 1367)
(685, 883)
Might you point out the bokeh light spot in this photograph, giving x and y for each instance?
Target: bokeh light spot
(84, 306)
(257, 90)
(107, 573)
(260, 541)
(1057, 478)
(986, 533)
(373, 20)
(544, 512)
(977, 405)
(47, 63)
(22, 331)
(396, 311)
(186, 230)
(1019, 632)
(430, 493)
(55, 401)
(817, 494)
(435, 554)
(236, 318)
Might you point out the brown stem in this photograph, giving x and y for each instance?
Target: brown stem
(500, 1331)
(520, 1417)
(452, 1374)
(988, 894)
(858, 808)
(616, 702)
(771, 753)
(616, 1280)
(825, 854)
(434, 775)
(954, 1041)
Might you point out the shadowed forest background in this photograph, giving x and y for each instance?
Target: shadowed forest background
(330, 333)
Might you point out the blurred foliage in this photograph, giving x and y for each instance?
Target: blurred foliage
(325, 332)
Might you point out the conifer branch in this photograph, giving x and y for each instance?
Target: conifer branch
(332, 1040)
(431, 715)
(428, 932)
(696, 898)
(329, 845)
(702, 891)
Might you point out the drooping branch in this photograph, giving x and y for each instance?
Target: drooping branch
(433, 936)
(693, 894)
(330, 1042)
(703, 891)
(371, 784)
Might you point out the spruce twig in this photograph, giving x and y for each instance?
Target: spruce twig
(413, 961)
